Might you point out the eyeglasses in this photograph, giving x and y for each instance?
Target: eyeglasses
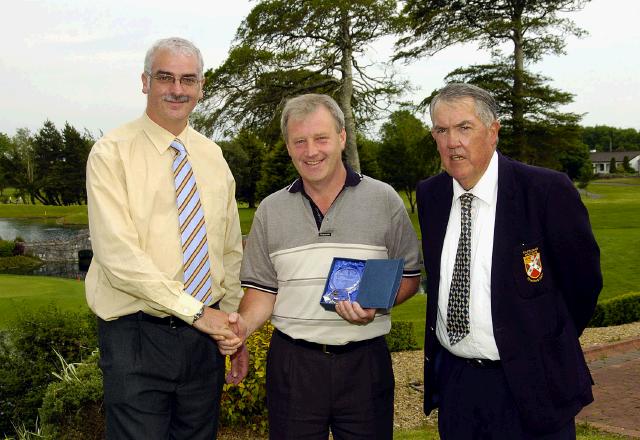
(166, 79)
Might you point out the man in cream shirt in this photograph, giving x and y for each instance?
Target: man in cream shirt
(163, 373)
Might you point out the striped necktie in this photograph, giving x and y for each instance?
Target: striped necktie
(193, 233)
(458, 307)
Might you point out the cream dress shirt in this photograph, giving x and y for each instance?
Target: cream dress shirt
(133, 221)
(480, 342)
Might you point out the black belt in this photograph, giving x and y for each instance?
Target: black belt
(169, 321)
(326, 348)
(483, 363)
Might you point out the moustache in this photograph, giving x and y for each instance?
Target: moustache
(175, 98)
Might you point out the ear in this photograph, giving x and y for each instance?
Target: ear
(201, 94)
(145, 83)
(494, 129)
(343, 139)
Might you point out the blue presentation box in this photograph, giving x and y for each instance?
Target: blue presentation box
(371, 283)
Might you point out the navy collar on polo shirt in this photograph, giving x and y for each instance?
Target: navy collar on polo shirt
(352, 179)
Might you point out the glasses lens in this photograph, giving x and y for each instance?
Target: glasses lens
(189, 81)
(163, 78)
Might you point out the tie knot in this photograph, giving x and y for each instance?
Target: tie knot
(177, 145)
(465, 201)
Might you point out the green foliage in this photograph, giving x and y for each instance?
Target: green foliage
(401, 337)
(48, 167)
(245, 404)
(368, 152)
(19, 264)
(407, 153)
(245, 154)
(284, 48)
(277, 171)
(626, 165)
(28, 358)
(540, 26)
(532, 28)
(606, 138)
(6, 248)
(622, 309)
(612, 166)
(72, 406)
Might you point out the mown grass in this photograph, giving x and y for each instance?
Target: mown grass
(72, 215)
(21, 292)
(614, 211)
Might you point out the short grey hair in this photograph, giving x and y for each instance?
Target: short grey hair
(304, 105)
(485, 106)
(175, 45)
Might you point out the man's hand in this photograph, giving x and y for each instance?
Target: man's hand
(228, 346)
(239, 366)
(352, 312)
(216, 324)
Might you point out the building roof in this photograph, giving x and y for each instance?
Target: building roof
(605, 156)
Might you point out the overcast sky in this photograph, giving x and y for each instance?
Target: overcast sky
(80, 61)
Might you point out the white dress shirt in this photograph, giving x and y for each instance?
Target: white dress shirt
(480, 342)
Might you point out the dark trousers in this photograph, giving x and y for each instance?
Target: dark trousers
(160, 382)
(310, 392)
(476, 403)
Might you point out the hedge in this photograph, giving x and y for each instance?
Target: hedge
(622, 309)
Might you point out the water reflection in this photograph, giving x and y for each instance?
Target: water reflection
(40, 230)
(36, 229)
(63, 269)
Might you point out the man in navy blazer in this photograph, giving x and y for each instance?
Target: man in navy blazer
(502, 356)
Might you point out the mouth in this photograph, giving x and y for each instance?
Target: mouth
(312, 163)
(456, 157)
(175, 99)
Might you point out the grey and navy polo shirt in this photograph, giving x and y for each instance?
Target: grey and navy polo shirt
(290, 249)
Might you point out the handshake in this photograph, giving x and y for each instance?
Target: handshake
(230, 333)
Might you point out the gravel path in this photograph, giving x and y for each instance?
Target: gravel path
(408, 365)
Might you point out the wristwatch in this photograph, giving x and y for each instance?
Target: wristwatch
(198, 315)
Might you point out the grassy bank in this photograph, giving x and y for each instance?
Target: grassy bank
(71, 215)
(20, 292)
(614, 210)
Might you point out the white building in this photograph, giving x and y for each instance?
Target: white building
(602, 159)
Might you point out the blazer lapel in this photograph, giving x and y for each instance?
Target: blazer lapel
(505, 228)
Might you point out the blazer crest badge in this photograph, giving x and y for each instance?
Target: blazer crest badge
(532, 264)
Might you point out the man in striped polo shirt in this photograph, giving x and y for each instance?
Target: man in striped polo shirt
(326, 370)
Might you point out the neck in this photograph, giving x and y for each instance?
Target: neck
(324, 193)
(173, 127)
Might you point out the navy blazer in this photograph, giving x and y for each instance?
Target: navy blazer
(536, 320)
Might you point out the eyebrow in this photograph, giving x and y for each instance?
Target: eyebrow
(459, 124)
(164, 72)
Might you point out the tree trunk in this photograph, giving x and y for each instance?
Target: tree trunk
(346, 93)
(519, 136)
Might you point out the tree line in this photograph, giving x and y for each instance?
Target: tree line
(48, 166)
(282, 49)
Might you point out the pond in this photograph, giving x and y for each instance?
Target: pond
(36, 230)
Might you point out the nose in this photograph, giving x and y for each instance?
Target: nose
(177, 88)
(453, 140)
(312, 148)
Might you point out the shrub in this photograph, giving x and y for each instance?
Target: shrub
(6, 248)
(401, 337)
(72, 406)
(615, 311)
(19, 264)
(246, 404)
(28, 359)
